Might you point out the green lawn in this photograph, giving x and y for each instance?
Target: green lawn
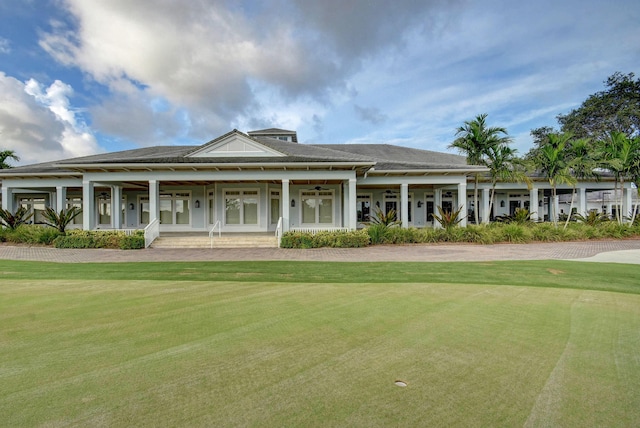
(310, 344)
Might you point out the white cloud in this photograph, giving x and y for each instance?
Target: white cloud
(5, 46)
(223, 63)
(38, 122)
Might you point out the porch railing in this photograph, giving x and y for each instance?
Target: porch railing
(314, 230)
(279, 231)
(217, 225)
(151, 232)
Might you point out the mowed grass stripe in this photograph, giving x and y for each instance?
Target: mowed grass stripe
(538, 273)
(228, 353)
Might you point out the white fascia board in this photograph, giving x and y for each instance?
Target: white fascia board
(219, 175)
(208, 166)
(39, 182)
(425, 179)
(374, 171)
(544, 185)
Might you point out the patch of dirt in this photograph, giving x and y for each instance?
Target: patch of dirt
(555, 271)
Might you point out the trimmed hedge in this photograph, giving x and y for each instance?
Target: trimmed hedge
(337, 239)
(29, 234)
(479, 234)
(100, 239)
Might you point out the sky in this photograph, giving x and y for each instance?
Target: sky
(79, 77)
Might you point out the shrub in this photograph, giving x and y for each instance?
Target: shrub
(100, 239)
(14, 220)
(377, 233)
(31, 234)
(400, 236)
(448, 219)
(520, 216)
(60, 220)
(336, 239)
(592, 218)
(479, 234)
(296, 240)
(390, 219)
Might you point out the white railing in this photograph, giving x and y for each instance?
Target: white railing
(314, 230)
(212, 231)
(128, 232)
(279, 231)
(151, 232)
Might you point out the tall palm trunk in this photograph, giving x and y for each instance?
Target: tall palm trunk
(475, 199)
(573, 195)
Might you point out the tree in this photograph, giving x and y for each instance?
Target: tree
(551, 162)
(621, 156)
(504, 165)
(617, 109)
(7, 154)
(475, 140)
(582, 160)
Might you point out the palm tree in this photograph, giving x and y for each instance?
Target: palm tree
(475, 139)
(582, 160)
(621, 156)
(550, 161)
(7, 154)
(504, 165)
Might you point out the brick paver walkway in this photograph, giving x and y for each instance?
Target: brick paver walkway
(416, 253)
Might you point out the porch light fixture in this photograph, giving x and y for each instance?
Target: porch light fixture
(293, 203)
(540, 203)
(419, 204)
(377, 204)
(502, 204)
(131, 206)
(197, 204)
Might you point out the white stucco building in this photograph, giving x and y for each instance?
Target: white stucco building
(247, 182)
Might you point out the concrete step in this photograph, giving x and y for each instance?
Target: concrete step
(218, 242)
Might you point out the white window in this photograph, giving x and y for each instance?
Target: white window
(75, 202)
(241, 207)
(175, 208)
(35, 206)
(392, 202)
(211, 207)
(275, 210)
(317, 207)
(363, 208)
(143, 212)
(103, 202)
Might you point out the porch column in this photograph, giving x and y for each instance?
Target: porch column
(404, 205)
(485, 214)
(61, 198)
(154, 200)
(627, 203)
(462, 201)
(437, 202)
(286, 201)
(582, 202)
(353, 204)
(7, 198)
(88, 203)
(116, 206)
(345, 204)
(534, 209)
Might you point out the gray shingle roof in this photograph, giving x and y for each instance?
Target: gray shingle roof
(384, 156)
(390, 157)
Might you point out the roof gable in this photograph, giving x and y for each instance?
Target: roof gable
(234, 144)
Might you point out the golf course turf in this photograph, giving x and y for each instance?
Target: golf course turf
(535, 343)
